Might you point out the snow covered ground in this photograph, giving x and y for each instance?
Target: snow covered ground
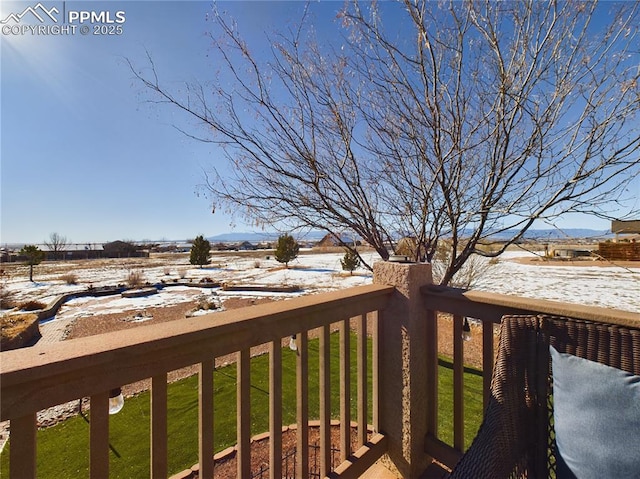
(606, 286)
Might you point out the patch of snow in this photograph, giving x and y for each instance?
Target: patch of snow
(611, 287)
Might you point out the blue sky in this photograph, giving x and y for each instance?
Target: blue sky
(83, 155)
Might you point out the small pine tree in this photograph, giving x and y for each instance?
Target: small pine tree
(200, 251)
(34, 256)
(350, 261)
(287, 249)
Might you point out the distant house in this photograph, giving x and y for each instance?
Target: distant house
(331, 240)
(247, 246)
(624, 228)
(74, 251)
(626, 246)
(123, 249)
(220, 246)
(172, 247)
(570, 253)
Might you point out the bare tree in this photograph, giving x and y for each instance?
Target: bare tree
(479, 118)
(57, 244)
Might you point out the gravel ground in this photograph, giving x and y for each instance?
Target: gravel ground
(227, 468)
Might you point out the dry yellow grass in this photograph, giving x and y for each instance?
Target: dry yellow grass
(12, 326)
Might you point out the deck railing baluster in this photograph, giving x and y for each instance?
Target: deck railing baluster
(375, 368)
(275, 409)
(302, 388)
(23, 453)
(159, 426)
(244, 412)
(432, 373)
(325, 400)
(361, 351)
(99, 435)
(345, 389)
(205, 417)
(488, 359)
(458, 384)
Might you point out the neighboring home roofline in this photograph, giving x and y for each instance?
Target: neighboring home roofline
(625, 227)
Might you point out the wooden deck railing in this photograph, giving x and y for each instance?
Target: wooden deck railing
(37, 378)
(404, 308)
(488, 309)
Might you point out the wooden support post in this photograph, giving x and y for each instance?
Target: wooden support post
(406, 366)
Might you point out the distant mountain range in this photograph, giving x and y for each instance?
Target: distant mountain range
(535, 234)
(558, 234)
(263, 236)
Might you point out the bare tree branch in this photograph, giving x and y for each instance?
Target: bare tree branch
(478, 118)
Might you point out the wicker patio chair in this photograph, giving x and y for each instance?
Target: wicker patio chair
(516, 438)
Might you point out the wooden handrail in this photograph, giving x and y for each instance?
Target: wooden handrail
(492, 306)
(41, 377)
(36, 378)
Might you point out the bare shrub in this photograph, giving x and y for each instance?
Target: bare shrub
(69, 278)
(167, 271)
(256, 264)
(206, 303)
(135, 278)
(408, 246)
(6, 297)
(182, 272)
(474, 269)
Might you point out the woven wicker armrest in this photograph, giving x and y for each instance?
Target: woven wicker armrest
(503, 446)
(516, 438)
